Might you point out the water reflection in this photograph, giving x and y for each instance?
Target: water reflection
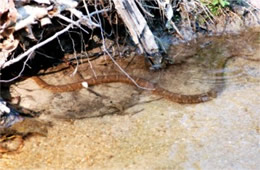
(233, 60)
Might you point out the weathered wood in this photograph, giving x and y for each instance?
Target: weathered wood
(137, 25)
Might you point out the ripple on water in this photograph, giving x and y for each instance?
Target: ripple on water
(231, 76)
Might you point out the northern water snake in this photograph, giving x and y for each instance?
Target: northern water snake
(174, 97)
(155, 89)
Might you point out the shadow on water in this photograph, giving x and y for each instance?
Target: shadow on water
(212, 62)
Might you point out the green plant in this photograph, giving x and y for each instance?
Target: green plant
(223, 3)
(215, 5)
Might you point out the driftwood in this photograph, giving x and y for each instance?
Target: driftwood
(26, 15)
(21, 16)
(137, 25)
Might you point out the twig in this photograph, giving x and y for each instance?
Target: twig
(206, 10)
(30, 50)
(45, 55)
(114, 61)
(20, 73)
(145, 11)
(61, 47)
(91, 67)
(75, 56)
(72, 22)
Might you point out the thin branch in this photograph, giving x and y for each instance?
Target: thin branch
(142, 8)
(75, 55)
(114, 61)
(30, 50)
(20, 73)
(72, 22)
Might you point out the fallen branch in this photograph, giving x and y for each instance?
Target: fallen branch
(21, 56)
(137, 26)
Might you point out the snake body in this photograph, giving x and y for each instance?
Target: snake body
(174, 97)
(156, 89)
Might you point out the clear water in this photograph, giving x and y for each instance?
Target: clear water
(219, 134)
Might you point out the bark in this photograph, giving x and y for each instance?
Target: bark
(137, 25)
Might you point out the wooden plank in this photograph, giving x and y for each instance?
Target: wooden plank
(137, 26)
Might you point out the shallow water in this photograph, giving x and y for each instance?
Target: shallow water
(147, 132)
(218, 62)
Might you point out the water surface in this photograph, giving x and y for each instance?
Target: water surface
(158, 134)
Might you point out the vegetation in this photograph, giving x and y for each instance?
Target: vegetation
(215, 6)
